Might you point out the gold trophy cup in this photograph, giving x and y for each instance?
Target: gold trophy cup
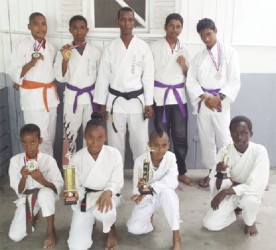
(145, 174)
(70, 190)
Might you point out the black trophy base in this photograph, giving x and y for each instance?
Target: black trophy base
(145, 191)
(70, 201)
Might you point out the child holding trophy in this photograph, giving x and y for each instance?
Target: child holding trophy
(77, 64)
(37, 182)
(154, 181)
(99, 180)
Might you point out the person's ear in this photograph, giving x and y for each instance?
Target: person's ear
(29, 26)
(40, 140)
(251, 133)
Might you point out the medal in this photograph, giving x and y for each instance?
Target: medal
(31, 165)
(68, 54)
(218, 75)
(217, 65)
(36, 55)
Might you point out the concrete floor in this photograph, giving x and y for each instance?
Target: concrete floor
(193, 204)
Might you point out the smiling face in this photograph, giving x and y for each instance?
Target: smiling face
(95, 138)
(38, 27)
(241, 135)
(79, 30)
(209, 37)
(30, 143)
(173, 29)
(126, 22)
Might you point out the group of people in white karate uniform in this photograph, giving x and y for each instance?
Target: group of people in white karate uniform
(122, 87)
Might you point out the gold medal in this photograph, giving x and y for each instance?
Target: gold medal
(31, 165)
(36, 55)
(68, 54)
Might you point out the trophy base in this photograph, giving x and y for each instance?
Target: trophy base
(70, 201)
(221, 176)
(145, 191)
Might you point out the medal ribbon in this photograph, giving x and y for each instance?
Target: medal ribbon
(26, 159)
(219, 57)
(177, 46)
(76, 46)
(37, 48)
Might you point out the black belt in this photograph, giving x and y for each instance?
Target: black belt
(89, 190)
(127, 96)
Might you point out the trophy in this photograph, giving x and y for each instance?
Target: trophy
(31, 165)
(145, 175)
(69, 182)
(223, 175)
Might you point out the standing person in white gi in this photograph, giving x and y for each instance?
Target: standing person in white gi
(37, 181)
(33, 72)
(248, 166)
(162, 183)
(213, 83)
(124, 87)
(99, 180)
(79, 69)
(171, 66)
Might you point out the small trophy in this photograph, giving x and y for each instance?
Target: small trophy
(69, 182)
(223, 175)
(31, 165)
(145, 175)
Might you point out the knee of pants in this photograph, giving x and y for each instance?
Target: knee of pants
(250, 202)
(169, 196)
(105, 217)
(46, 200)
(211, 224)
(135, 226)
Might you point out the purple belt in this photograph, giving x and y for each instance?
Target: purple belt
(213, 92)
(79, 91)
(176, 95)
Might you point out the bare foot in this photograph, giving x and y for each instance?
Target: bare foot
(185, 179)
(50, 241)
(251, 230)
(177, 245)
(111, 240)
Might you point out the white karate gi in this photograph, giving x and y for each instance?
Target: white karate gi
(251, 170)
(106, 173)
(31, 100)
(125, 70)
(46, 196)
(213, 126)
(81, 72)
(163, 181)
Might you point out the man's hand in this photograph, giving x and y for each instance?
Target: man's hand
(221, 167)
(149, 112)
(63, 51)
(37, 175)
(137, 198)
(104, 202)
(24, 172)
(103, 112)
(16, 86)
(218, 199)
(182, 63)
(69, 195)
(213, 102)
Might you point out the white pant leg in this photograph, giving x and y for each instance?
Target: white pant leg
(140, 219)
(18, 226)
(216, 220)
(117, 140)
(207, 140)
(46, 121)
(250, 205)
(87, 112)
(109, 218)
(80, 235)
(138, 134)
(169, 203)
(46, 200)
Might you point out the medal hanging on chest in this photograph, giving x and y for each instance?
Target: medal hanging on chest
(36, 54)
(218, 74)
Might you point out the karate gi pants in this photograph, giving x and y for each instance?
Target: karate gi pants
(140, 219)
(138, 133)
(214, 133)
(46, 121)
(176, 127)
(80, 235)
(45, 200)
(73, 121)
(216, 220)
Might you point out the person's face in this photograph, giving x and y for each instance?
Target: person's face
(38, 27)
(95, 138)
(79, 30)
(173, 29)
(240, 134)
(126, 22)
(30, 143)
(159, 147)
(209, 37)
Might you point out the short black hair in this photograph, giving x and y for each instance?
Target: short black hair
(33, 15)
(205, 23)
(240, 118)
(174, 16)
(96, 121)
(29, 129)
(124, 9)
(157, 133)
(77, 17)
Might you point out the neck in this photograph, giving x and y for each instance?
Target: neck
(126, 39)
(171, 41)
(210, 47)
(75, 42)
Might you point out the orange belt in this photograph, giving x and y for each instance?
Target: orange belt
(35, 85)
